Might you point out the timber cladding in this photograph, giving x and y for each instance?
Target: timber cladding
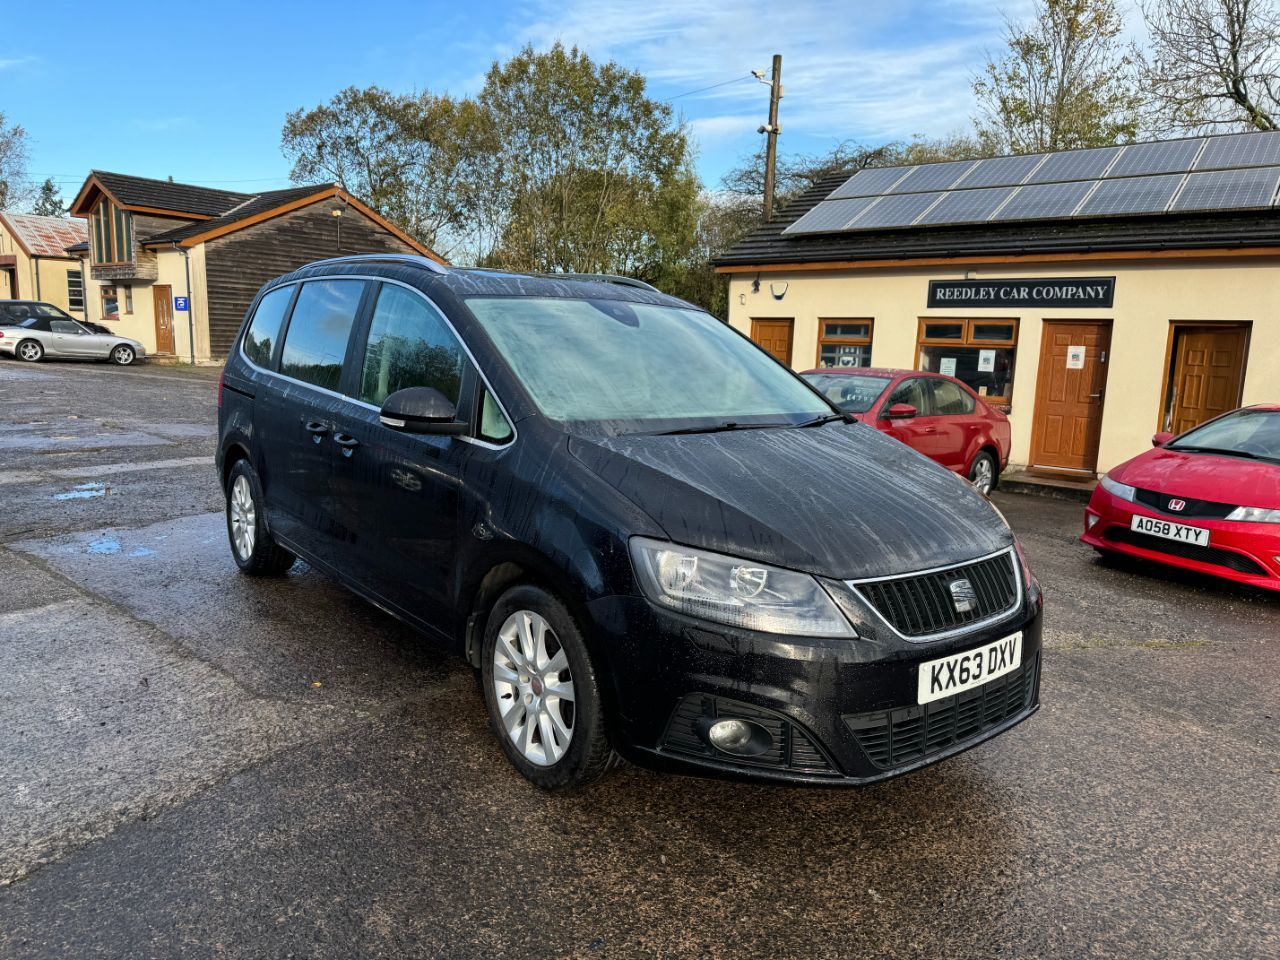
(237, 264)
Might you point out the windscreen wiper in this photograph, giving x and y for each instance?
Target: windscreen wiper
(825, 418)
(718, 428)
(1224, 452)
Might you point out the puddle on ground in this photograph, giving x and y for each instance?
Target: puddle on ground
(83, 491)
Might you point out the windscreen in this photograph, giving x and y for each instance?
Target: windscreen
(853, 394)
(1247, 433)
(636, 363)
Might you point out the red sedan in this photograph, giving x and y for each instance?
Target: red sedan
(1208, 500)
(936, 415)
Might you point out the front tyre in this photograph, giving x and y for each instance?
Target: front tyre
(982, 474)
(123, 354)
(252, 546)
(541, 692)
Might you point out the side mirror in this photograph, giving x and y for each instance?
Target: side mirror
(421, 410)
(901, 411)
(1160, 439)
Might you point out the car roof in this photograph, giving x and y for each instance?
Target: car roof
(462, 282)
(887, 373)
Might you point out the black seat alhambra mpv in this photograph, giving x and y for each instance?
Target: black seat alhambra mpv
(650, 537)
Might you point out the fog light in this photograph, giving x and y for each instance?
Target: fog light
(742, 738)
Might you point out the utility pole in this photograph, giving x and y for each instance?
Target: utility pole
(771, 129)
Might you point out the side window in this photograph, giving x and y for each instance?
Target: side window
(493, 425)
(64, 326)
(316, 342)
(949, 399)
(264, 329)
(914, 392)
(409, 346)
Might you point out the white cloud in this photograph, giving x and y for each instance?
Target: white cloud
(7, 62)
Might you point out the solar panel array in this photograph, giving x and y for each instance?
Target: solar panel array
(1232, 172)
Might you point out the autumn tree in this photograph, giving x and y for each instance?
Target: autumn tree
(589, 173)
(13, 164)
(411, 156)
(49, 201)
(1214, 64)
(1066, 80)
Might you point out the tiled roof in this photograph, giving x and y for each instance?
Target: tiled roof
(248, 207)
(44, 236)
(167, 195)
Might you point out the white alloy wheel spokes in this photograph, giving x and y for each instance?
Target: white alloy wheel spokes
(244, 516)
(984, 476)
(534, 688)
(123, 355)
(29, 351)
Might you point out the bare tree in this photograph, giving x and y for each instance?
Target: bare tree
(1214, 63)
(14, 188)
(1067, 80)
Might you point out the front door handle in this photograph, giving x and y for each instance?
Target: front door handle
(347, 442)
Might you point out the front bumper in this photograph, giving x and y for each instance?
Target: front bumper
(1247, 553)
(841, 711)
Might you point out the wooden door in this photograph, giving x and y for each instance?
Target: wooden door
(1208, 372)
(1070, 391)
(163, 298)
(774, 336)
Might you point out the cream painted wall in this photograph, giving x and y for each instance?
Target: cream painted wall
(173, 272)
(1149, 294)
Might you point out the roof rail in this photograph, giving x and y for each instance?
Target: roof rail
(604, 278)
(415, 259)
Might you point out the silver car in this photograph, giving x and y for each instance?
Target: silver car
(43, 336)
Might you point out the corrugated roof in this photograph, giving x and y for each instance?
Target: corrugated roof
(167, 195)
(250, 206)
(44, 236)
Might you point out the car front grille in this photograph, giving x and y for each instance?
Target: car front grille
(895, 738)
(792, 748)
(1205, 509)
(918, 605)
(1188, 551)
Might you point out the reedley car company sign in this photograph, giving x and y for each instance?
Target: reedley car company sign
(1057, 292)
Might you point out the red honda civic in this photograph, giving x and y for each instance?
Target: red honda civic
(1207, 500)
(938, 416)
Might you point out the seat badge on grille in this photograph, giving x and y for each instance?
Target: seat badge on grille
(963, 596)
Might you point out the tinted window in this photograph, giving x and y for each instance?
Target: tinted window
(64, 326)
(44, 310)
(316, 341)
(264, 329)
(914, 392)
(949, 399)
(1251, 432)
(409, 346)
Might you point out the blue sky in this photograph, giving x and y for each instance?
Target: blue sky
(199, 91)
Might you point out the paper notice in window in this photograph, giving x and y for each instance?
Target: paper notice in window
(947, 366)
(1075, 358)
(986, 361)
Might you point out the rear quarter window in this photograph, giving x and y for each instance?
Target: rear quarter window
(264, 329)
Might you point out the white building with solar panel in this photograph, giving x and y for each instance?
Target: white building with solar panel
(1096, 296)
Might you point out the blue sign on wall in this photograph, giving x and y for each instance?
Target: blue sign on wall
(180, 303)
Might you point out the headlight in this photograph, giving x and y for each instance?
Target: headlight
(740, 593)
(1254, 515)
(1118, 489)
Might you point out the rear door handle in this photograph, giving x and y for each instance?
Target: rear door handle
(347, 442)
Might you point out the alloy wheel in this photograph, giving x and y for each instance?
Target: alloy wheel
(534, 688)
(123, 355)
(983, 475)
(244, 516)
(29, 351)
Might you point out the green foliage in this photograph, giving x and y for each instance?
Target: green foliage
(49, 201)
(1067, 80)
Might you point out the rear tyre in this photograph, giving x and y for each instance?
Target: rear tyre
(541, 692)
(30, 351)
(123, 355)
(982, 474)
(252, 546)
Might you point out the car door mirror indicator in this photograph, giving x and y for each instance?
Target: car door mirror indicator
(902, 411)
(421, 410)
